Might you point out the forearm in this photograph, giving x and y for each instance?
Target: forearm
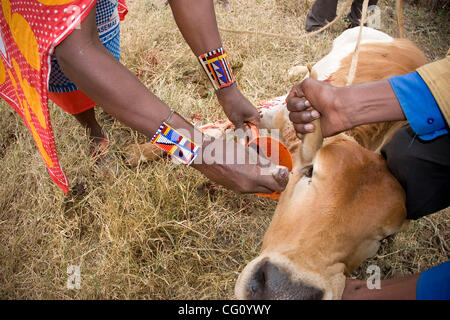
(196, 20)
(87, 63)
(131, 103)
(370, 102)
(111, 85)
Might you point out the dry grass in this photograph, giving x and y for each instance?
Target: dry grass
(149, 232)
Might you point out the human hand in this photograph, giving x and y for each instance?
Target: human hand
(327, 103)
(240, 169)
(237, 107)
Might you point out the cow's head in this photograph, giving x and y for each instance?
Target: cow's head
(330, 218)
(341, 199)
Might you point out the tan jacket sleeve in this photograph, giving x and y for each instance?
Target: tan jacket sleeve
(437, 77)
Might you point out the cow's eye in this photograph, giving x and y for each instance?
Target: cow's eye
(307, 171)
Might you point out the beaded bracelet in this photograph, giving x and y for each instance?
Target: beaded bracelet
(175, 144)
(217, 68)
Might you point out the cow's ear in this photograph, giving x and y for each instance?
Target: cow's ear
(312, 142)
(295, 150)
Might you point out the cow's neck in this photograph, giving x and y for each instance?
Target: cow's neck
(374, 136)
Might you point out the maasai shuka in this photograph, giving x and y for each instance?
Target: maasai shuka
(217, 68)
(178, 146)
(107, 21)
(29, 33)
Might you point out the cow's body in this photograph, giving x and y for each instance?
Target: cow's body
(326, 225)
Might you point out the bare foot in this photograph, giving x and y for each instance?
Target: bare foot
(99, 148)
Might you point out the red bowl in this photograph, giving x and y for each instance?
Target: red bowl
(272, 149)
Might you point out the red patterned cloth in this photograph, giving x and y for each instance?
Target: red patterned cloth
(123, 10)
(29, 33)
(73, 102)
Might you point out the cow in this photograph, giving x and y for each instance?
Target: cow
(336, 209)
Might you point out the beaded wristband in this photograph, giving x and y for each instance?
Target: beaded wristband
(217, 68)
(178, 146)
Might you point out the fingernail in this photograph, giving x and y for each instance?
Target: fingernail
(309, 127)
(283, 172)
(307, 103)
(315, 114)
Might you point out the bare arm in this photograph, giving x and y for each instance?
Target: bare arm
(105, 80)
(341, 108)
(196, 20)
(95, 71)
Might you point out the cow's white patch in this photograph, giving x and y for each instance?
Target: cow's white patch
(343, 46)
(269, 111)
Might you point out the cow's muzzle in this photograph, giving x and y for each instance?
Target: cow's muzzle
(268, 281)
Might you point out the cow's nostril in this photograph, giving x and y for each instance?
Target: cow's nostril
(257, 282)
(268, 281)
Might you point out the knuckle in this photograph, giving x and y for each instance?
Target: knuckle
(306, 82)
(292, 117)
(295, 104)
(290, 104)
(295, 88)
(306, 116)
(299, 128)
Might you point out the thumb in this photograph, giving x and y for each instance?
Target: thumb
(281, 176)
(243, 123)
(296, 91)
(255, 119)
(274, 178)
(244, 132)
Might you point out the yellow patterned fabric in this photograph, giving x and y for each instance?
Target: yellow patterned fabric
(29, 32)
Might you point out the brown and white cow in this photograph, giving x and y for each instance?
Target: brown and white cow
(333, 213)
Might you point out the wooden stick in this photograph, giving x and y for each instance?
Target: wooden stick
(352, 70)
(399, 10)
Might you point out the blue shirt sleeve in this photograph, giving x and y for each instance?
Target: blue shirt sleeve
(434, 283)
(419, 106)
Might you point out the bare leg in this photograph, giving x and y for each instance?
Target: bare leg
(88, 121)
